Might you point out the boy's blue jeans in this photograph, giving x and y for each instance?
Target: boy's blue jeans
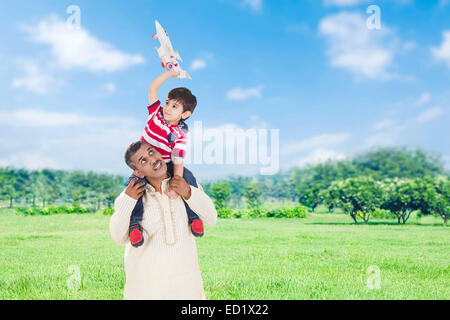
(138, 209)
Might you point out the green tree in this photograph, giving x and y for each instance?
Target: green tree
(7, 185)
(252, 193)
(76, 197)
(238, 184)
(391, 162)
(356, 196)
(110, 198)
(400, 197)
(308, 182)
(35, 187)
(221, 193)
(441, 203)
(434, 196)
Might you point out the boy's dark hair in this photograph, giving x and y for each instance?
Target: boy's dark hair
(132, 149)
(185, 96)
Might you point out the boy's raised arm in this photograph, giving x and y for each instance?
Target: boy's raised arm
(154, 86)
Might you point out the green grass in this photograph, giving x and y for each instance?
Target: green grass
(324, 256)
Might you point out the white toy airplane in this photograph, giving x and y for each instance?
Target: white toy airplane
(168, 56)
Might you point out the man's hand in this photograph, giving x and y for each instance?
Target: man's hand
(135, 190)
(180, 186)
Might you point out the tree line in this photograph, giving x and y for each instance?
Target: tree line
(21, 187)
(358, 185)
(392, 178)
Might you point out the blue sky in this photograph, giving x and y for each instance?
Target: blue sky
(311, 69)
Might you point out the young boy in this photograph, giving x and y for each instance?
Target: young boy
(167, 132)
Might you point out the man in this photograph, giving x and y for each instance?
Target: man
(166, 265)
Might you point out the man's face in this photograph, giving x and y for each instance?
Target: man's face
(149, 163)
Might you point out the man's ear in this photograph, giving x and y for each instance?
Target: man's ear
(138, 173)
(186, 114)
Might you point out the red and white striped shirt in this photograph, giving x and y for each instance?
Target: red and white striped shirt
(169, 140)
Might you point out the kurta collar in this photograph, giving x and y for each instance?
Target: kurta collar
(164, 185)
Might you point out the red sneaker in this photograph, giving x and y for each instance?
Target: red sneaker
(135, 234)
(197, 228)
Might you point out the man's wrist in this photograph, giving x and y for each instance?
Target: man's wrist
(188, 195)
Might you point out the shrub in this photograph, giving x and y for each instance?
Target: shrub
(224, 213)
(58, 209)
(52, 210)
(245, 213)
(32, 211)
(256, 212)
(108, 211)
(297, 212)
(237, 214)
(382, 214)
(27, 211)
(78, 209)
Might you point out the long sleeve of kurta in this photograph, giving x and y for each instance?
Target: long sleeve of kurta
(203, 206)
(166, 265)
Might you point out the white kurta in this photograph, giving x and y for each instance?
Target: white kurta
(166, 265)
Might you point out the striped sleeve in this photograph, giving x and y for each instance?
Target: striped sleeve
(179, 149)
(152, 108)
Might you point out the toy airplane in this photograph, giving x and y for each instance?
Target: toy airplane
(168, 56)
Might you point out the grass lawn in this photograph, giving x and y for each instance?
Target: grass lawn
(324, 256)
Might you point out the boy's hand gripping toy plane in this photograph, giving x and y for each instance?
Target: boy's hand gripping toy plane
(168, 56)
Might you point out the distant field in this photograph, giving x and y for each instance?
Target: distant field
(324, 256)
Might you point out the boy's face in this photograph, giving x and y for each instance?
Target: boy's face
(173, 111)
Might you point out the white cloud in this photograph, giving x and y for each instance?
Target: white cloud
(344, 3)
(386, 134)
(257, 122)
(39, 118)
(34, 80)
(383, 125)
(319, 156)
(77, 48)
(35, 118)
(315, 142)
(30, 161)
(66, 140)
(442, 53)
(354, 47)
(349, 3)
(443, 3)
(429, 114)
(110, 87)
(243, 94)
(422, 100)
(404, 126)
(198, 64)
(254, 5)
(69, 140)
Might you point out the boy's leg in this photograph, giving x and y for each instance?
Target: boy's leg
(194, 219)
(135, 229)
